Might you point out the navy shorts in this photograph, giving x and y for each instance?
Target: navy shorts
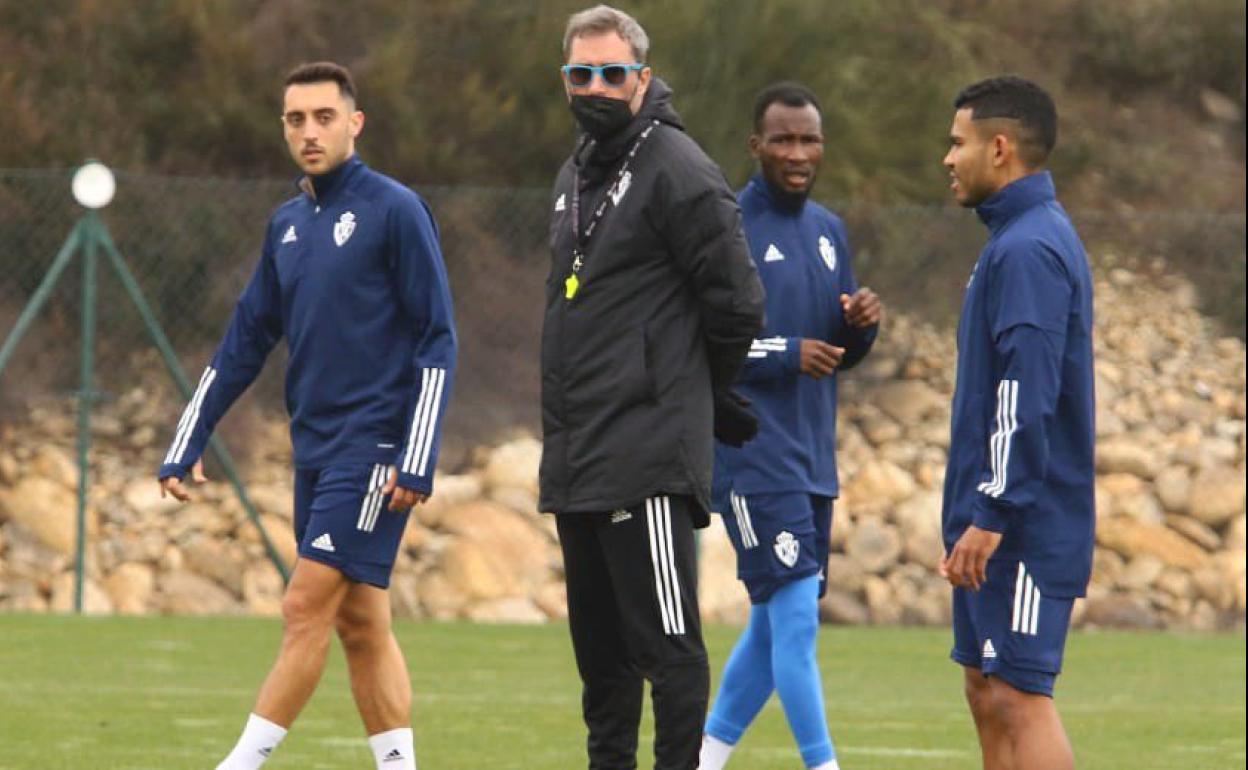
(341, 520)
(778, 538)
(1010, 630)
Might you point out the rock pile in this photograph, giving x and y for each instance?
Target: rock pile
(1170, 498)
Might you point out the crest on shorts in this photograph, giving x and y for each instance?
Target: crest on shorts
(828, 252)
(787, 548)
(344, 227)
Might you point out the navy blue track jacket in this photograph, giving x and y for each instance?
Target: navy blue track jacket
(1021, 460)
(803, 258)
(352, 276)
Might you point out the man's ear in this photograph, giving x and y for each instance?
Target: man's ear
(356, 123)
(1002, 150)
(755, 143)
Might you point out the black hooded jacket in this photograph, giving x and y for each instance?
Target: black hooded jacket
(668, 303)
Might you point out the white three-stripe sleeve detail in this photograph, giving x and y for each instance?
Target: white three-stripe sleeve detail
(367, 502)
(197, 403)
(994, 444)
(1003, 389)
(416, 418)
(654, 560)
(999, 449)
(431, 428)
(678, 608)
(1016, 621)
(1012, 425)
(186, 416)
(426, 375)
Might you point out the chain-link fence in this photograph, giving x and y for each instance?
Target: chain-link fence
(192, 244)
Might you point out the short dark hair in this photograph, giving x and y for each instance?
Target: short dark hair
(323, 72)
(1014, 98)
(787, 93)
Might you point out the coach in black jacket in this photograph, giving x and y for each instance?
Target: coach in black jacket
(651, 304)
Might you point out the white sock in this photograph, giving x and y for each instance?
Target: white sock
(394, 749)
(829, 765)
(714, 754)
(260, 737)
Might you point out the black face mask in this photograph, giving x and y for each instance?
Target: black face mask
(601, 116)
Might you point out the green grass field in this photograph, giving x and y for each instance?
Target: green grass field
(171, 693)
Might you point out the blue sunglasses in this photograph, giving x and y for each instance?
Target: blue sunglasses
(581, 75)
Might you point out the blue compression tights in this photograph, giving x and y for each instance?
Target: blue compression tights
(777, 651)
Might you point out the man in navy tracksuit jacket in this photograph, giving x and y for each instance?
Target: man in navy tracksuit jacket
(351, 274)
(775, 493)
(1018, 508)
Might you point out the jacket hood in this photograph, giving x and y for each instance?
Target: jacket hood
(657, 105)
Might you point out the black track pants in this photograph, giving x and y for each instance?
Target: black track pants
(633, 613)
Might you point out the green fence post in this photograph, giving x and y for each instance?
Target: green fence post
(184, 385)
(40, 296)
(86, 395)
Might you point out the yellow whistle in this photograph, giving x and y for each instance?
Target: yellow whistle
(570, 286)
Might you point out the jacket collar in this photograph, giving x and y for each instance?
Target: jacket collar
(322, 187)
(1015, 198)
(778, 200)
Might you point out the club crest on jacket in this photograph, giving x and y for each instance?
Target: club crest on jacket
(344, 227)
(828, 252)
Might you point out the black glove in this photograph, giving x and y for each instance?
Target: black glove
(735, 424)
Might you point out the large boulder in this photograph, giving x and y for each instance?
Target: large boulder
(496, 553)
(909, 402)
(1217, 495)
(1133, 538)
(54, 464)
(129, 587)
(918, 520)
(843, 608)
(215, 559)
(874, 545)
(1126, 456)
(186, 593)
(449, 492)
(880, 482)
(720, 595)
(47, 510)
(1120, 611)
(143, 496)
(1173, 487)
(64, 594)
(514, 464)
(512, 609)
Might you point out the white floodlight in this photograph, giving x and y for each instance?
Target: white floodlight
(94, 185)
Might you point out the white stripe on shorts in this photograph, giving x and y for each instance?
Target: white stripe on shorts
(371, 505)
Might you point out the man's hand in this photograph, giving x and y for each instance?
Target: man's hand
(401, 499)
(172, 485)
(966, 565)
(863, 309)
(819, 358)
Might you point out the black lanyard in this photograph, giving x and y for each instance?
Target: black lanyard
(614, 193)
